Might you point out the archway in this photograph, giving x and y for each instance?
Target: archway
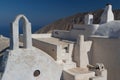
(27, 40)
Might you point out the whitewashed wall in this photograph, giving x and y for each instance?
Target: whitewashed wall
(61, 34)
(22, 64)
(55, 51)
(86, 30)
(50, 49)
(41, 35)
(107, 51)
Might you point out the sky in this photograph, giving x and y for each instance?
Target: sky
(43, 12)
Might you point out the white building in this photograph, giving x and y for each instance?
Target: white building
(78, 54)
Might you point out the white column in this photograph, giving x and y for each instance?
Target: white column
(27, 39)
(82, 54)
(88, 19)
(14, 41)
(107, 15)
(83, 48)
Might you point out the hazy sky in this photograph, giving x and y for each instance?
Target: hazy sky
(42, 12)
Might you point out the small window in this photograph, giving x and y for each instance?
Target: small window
(36, 73)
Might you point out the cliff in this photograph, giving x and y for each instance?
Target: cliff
(67, 23)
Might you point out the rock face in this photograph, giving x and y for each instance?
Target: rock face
(67, 23)
(4, 43)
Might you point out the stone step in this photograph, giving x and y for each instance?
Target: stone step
(77, 74)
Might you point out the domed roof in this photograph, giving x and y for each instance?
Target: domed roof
(110, 29)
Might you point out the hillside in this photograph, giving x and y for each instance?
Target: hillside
(4, 44)
(67, 23)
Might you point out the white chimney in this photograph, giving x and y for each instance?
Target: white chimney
(107, 15)
(88, 19)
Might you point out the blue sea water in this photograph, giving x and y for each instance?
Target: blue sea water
(5, 30)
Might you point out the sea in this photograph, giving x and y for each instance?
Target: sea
(5, 30)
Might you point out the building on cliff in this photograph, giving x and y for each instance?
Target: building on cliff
(78, 54)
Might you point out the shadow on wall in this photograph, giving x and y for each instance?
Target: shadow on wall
(106, 51)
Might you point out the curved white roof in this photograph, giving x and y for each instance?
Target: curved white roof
(110, 29)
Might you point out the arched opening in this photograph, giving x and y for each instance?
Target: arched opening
(21, 30)
(21, 20)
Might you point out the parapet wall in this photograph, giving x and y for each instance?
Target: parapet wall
(86, 30)
(50, 49)
(41, 35)
(61, 34)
